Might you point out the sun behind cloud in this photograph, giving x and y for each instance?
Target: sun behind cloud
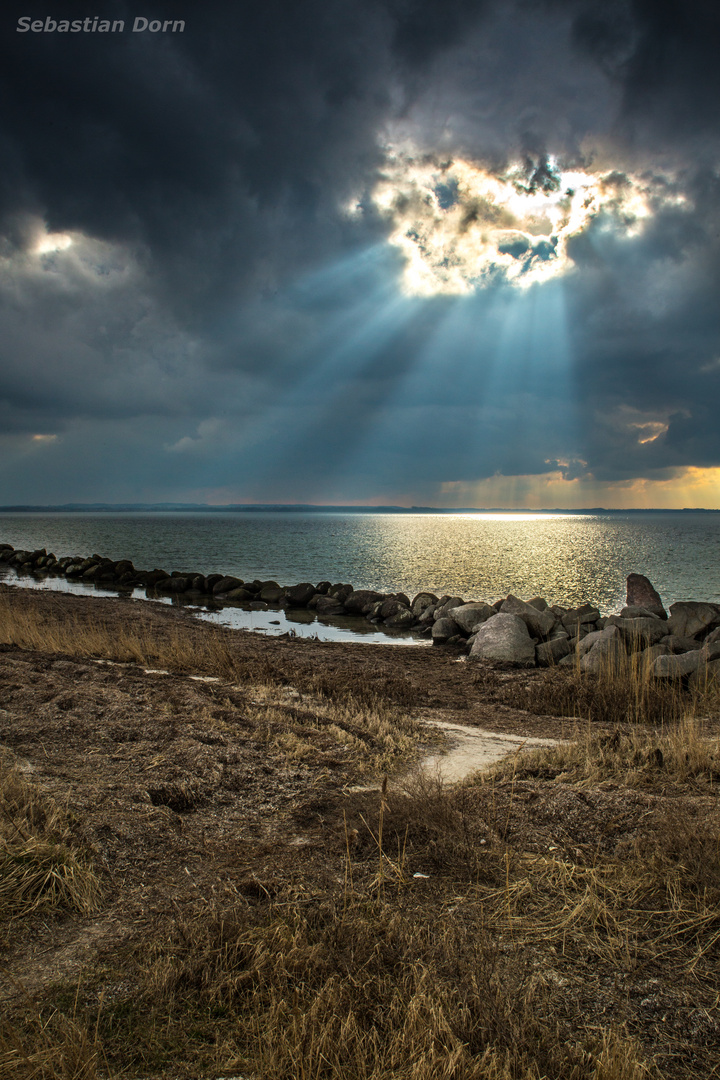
(461, 226)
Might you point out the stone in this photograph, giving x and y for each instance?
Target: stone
(641, 593)
(675, 666)
(649, 656)
(677, 644)
(421, 602)
(691, 618)
(443, 629)
(585, 645)
(470, 616)
(606, 650)
(227, 584)
(635, 612)
(172, 585)
(446, 604)
(388, 608)
(539, 623)
(361, 600)
(300, 595)
(549, 653)
(714, 635)
(402, 619)
(323, 587)
(639, 633)
(710, 651)
(539, 603)
(428, 615)
(584, 615)
(258, 605)
(328, 606)
(272, 594)
(505, 637)
(706, 677)
(340, 592)
(238, 596)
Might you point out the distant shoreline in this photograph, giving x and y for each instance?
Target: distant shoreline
(314, 508)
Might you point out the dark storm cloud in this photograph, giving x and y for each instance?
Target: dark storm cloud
(209, 172)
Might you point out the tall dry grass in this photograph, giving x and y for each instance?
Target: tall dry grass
(623, 691)
(42, 867)
(364, 990)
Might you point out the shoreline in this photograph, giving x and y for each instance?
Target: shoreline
(682, 643)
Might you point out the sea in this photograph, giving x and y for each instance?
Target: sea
(566, 558)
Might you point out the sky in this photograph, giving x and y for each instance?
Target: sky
(441, 253)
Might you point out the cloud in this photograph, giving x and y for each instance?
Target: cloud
(199, 288)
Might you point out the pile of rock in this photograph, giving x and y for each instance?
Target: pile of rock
(525, 634)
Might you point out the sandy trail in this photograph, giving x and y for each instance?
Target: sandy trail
(473, 749)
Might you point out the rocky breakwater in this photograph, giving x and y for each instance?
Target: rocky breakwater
(682, 644)
(394, 611)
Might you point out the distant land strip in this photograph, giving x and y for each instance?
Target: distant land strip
(314, 508)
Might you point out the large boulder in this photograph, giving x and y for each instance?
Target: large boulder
(470, 616)
(549, 653)
(691, 618)
(300, 595)
(241, 595)
(446, 605)
(677, 644)
(505, 637)
(328, 606)
(227, 584)
(576, 618)
(710, 651)
(539, 623)
(706, 677)
(402, 619)
(675, 666)
(585, 644)
(607, 650)
(639, 633)
(361, 600)
(635, 612)
(641, 593)
(443, 630)
(340, 592)
(422, 602)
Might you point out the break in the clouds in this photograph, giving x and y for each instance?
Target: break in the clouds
(390, 251)
(462, 227)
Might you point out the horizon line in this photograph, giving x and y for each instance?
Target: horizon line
(348, 508)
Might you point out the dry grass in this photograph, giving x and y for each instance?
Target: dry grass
(54, 1048)
(682, 753)
(373, 737)
(365, 989)
(183, 647)
(566, 923)
(623, 691)
(59, 630)
(41, 864)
